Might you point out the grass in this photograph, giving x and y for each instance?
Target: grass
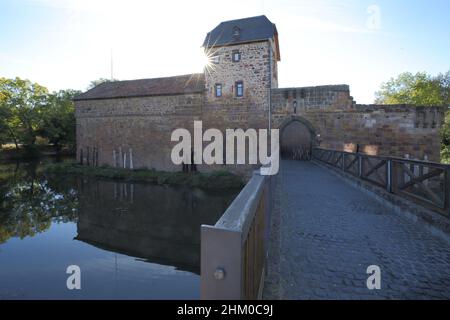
(213, 180)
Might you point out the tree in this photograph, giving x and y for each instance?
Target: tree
(444, 80)
(21, 103)
(97, 82)
(6, 135)
(424, 90)
(419, 89)
(58, 119)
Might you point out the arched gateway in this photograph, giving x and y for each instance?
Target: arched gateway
(297, 137)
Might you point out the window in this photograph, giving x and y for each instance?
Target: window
(218, 89)
(215, 59)
(239, 89)
(303, 94)
(236, 32)
(236, 56)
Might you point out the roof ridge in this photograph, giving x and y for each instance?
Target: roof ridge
(157, 78)
(257, 28)
(180, 84)
(240, 19)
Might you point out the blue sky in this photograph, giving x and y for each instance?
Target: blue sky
(67, 43)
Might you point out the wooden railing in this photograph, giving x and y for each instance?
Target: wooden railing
(234, 250)
(425, 183)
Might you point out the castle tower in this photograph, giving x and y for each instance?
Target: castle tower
(243, 58)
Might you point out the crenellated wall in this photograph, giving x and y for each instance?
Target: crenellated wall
(134, 119)
(292, 100)
(339, 123)
(138, 131)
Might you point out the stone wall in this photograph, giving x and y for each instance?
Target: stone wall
(141, 127)
(297, 100)
(251, 110)
(338, 123)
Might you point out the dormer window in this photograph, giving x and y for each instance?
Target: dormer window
(236, 56)
(236, 32)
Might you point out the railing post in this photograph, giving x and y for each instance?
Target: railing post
(360, 165)
(389, 176)
(81, 156)
(221, 265)
(447, 190)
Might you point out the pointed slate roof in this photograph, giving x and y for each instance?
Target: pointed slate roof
(242, 31)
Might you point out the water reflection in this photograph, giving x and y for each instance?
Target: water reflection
(155, 223)
(29, 203)
(130, 240)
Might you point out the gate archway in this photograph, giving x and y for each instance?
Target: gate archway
(297, 137)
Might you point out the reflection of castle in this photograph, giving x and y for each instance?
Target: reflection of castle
(129, 123)
(154, 223)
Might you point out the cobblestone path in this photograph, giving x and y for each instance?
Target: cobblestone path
(327, 232)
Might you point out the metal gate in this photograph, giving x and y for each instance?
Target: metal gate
(296, 142)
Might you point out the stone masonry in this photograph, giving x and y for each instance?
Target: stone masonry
(339, 123)
(129, 123)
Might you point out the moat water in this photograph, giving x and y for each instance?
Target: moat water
(130, 240)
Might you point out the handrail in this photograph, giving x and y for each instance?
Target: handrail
(423, 182)
(234, 250)
(243, 208)
(389, 157)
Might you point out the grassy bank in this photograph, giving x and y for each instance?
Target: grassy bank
(214, 180)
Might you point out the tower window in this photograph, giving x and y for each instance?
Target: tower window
(236, 32)
(218, 89)
(302, 94)
(236, 56)
(239, 89)
(215, 59)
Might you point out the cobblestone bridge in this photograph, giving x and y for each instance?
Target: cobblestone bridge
(327, 232)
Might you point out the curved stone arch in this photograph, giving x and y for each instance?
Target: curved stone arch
(312, 131)
(300, 119)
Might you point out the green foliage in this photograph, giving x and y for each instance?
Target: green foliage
(21, 103)
(445, 134)
(29, 111)
(95, 83)
(421, 89)
(58, 119)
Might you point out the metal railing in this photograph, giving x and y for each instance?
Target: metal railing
(234, 250)
(425, 183)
